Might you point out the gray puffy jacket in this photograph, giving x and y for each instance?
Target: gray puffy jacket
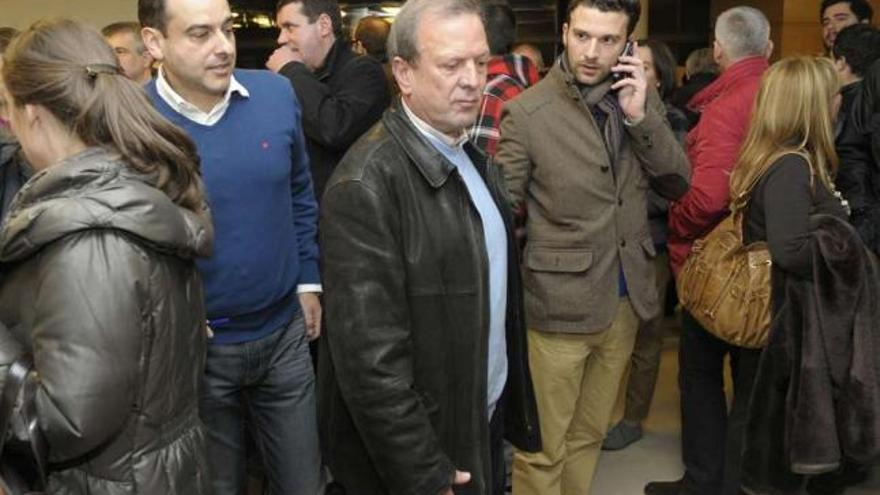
(98, 282)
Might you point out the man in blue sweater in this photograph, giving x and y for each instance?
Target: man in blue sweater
(261, 282)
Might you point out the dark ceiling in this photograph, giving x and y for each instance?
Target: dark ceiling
(536, 20)
(683, 24)
(270, 4)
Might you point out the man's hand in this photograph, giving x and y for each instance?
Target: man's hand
(282, 56)
(632, 91)
(311, 307)
(461, 478)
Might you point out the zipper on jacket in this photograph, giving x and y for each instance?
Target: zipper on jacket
(478, 235)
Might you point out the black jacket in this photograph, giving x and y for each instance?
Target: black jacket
(858, 146)
(848, 96)
(682, 96)
(816, 398)
(658, 206)
(339, 102)
(402, 378)
(14, 172)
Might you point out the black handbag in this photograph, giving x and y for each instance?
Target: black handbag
(23, 456)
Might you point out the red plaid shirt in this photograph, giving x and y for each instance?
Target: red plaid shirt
(508, 76)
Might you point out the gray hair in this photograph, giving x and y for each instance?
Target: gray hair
(126, 27)
(700, 61)
(404, 37)
(743, 32)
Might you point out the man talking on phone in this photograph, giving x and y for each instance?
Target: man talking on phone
(581, 148)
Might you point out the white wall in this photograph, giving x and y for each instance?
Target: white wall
(98, 13)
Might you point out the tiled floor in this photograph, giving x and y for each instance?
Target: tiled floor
(657, 456)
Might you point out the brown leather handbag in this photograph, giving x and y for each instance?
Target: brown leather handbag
(725, 285)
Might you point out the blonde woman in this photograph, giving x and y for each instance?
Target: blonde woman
(787, 160)
(824, 283)
(99, 285)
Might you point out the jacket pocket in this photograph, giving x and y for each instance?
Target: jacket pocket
(559, 261)
(558, 283)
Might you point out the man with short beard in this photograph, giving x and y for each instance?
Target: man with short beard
(580, 148)
(838, 14)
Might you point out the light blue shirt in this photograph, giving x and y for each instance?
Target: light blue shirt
(495, 237)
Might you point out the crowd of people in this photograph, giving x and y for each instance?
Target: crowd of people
(372, 266)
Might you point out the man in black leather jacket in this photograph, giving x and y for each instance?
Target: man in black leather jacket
(424, 364)
(342, 94)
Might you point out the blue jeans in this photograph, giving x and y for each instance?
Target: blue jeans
(272, 382)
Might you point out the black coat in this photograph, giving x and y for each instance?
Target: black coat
(816, 399)
(14, 172)
(658, 206)
(858, 146)
(682, 96)
(403, 366)
(339, 102)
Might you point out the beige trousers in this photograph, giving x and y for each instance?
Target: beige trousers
(576, 379)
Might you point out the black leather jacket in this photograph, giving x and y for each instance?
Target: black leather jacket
(402, 387)
(858, 146)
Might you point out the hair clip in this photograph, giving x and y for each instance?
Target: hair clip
(92, 70)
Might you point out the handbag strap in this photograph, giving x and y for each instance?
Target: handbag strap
(21, 382)
(740, 203)
(16, 377)
(38, 443)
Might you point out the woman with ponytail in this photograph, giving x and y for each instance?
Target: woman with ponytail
(99, 291)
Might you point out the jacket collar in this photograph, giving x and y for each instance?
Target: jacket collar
(564, 79)
(9, 147)
(429, 161)
(95, 189)
(427, 130)
(337, 56)
(745, 69)
(571, 87)
(514, 66)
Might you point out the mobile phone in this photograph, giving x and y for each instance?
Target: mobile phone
(628, 51)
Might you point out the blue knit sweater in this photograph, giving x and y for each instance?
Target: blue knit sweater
(256, 175)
